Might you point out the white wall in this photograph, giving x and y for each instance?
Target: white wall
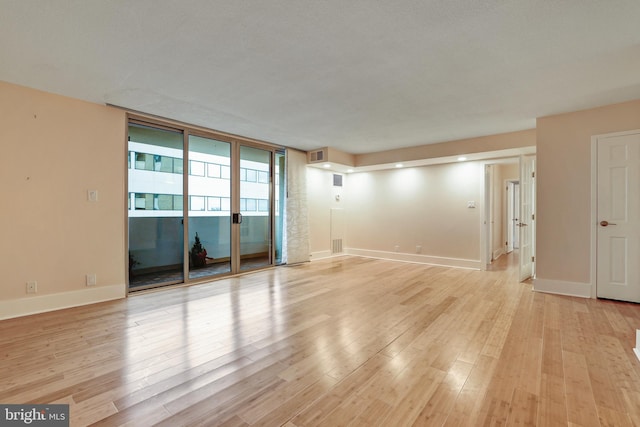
(563, 179)
(321, 197)
(395, 211)
(55, 149)
(409, 207)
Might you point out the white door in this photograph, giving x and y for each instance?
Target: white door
(527, 216)
(618, 216)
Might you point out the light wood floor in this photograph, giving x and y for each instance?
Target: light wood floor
(345, 341)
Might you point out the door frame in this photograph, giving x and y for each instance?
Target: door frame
(235, 143)
(236, 194)
(510, 214)
(486, 217)
(531, 222)
(593, 276)
(486, 195)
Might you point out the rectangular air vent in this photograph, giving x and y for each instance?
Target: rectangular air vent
(336, 246)
(316, 156)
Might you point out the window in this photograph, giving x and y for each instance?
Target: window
(177, 166)
(252, 175)
(197, 168)
(213, 203)
(225, 172)
(164, 202)
(156, 202)
(263, 177)
(177, 203)
(225, 203)
(263, 205)
(197, 203)
(213, 170)
(141, 202)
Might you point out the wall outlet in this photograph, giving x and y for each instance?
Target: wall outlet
(396, 248)
(418, 249)
(32, 287)
(91, 279)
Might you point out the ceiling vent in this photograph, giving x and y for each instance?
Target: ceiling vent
(317, 156)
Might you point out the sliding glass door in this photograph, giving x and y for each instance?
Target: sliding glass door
(155, 206)
(209, 207)
(255, 207)
(200, 207)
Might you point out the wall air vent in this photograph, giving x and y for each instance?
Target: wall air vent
(336, 246)
(317, 156)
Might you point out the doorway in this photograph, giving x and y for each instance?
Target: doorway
(502, 203)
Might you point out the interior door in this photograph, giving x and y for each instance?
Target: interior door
(527, 217)
(618, 215)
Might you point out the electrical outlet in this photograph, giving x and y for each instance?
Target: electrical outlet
(396, 248)
(91, 279)
(32, 287)
(418, 249)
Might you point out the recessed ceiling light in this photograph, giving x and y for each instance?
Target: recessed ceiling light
(462, 159)
(326, 165)
(349, 170)
(398, 165)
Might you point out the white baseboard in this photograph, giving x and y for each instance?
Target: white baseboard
(43, 303)
(560, 287)
(498, 253)
(636, 350)
(417, 258)
(321, 254)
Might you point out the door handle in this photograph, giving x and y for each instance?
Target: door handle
(522, 224)
(606, 223)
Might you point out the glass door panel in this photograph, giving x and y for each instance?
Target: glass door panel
(209, 207)
(255, 208)
(155, 206)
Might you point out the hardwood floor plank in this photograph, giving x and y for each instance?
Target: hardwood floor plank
(581, 406)
(442, 401)
(552, 405)
(523, 409)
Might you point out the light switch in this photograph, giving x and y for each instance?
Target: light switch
(471, 204)
(92, 195)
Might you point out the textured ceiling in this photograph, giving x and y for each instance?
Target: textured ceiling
(360, 76)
